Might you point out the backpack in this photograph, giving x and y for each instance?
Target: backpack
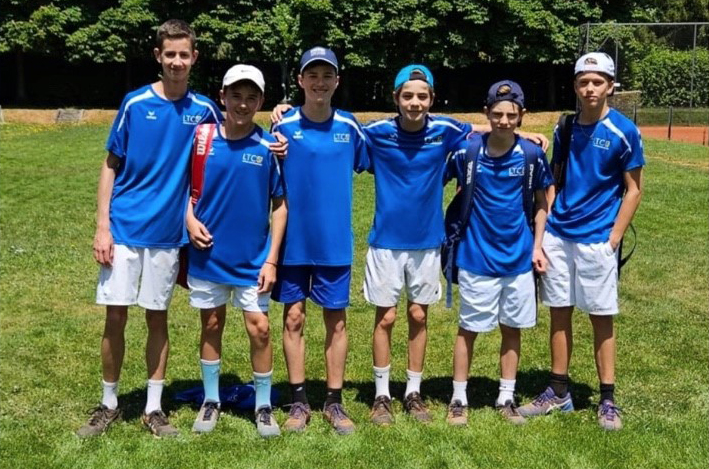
(201, 146)
(458, 211)
(564, 127)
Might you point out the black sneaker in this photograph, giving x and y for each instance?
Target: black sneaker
(101, 418)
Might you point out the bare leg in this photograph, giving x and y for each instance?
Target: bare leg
(381, 339)
(509, 352)
(213, 322)
(293, 343)
(157, 345)
(417, 336)
(604, 347)
(335, 346)
(463, 354)
(561, 339)
(259, 336)
(113, 344)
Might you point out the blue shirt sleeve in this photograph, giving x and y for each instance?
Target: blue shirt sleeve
(543, 177)
(634, 158)
(361, 160)
(118, 138)
(277, 184)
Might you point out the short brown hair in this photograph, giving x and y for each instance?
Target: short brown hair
(175, 29)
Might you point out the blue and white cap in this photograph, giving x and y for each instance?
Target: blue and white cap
(413, 72)
(318, 54)
(595, 62)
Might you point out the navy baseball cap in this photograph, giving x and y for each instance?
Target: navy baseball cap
(318, 54)
(505, 90)
(413, 72)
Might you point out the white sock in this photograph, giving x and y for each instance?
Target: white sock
(154, 395)
(110, 395)
(507, 391)
(460, 392)
(413, 382)
(381, 381)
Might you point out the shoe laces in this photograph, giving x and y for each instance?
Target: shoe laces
(337, 412)
(98, 414)
(382, 401)
(546, 396)
(264, 415)
(414, 402)
(210, 408)
(456, 408)
(297, 410)
(158, 418)
(609, 410)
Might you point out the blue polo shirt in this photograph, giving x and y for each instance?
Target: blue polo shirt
(153, 137)
(318, 175)
(585, 209)
(240, 179)
(498, 241)
(408, 172)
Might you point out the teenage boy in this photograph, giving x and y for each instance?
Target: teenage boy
(232, 255)
(499, 248)
(408, 154)
(325, 146)
(140, 218)
(588, 219)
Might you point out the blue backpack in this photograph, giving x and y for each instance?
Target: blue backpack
(459, 210)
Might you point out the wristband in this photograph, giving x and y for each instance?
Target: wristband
(273, 264)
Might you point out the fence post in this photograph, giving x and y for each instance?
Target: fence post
(669, 126)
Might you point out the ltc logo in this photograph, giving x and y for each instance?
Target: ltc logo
(518, 171)
(601, 143)
(191, 120)
(341, 138)
(249, 158)
(298, 135)
(151, 116)
(433, 140)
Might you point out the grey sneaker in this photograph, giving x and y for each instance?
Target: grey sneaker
(156, 421)
(266, 425)
(101, 418)
(609, 416)
(381, 411)
(298, 417)
(510, 411)
(335, 414)
(414, 405)
(545, 403)
(457, 414)
(206, 418)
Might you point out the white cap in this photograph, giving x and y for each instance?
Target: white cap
(595, 62)
(244, 72)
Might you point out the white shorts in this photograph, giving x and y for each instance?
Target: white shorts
(389, 270)
(582, 275)
(487, 301)
(154, 269)
(205, 294)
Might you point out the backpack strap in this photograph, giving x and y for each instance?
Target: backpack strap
(530, 166)
(466, 193)
(200, 151)
(564, 128)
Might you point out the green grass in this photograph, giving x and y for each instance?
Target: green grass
(50, 367)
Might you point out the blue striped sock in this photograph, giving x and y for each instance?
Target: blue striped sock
(262, 383)
(210, 379)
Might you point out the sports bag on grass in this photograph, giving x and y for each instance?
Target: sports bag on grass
(200, 151)
(459, 210)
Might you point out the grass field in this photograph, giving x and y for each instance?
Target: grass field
(50, 334)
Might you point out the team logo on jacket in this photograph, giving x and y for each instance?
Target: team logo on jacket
(298, 135)
(433, 140)
(151, 116)
(191, 120)
(518, 171)
(341, 138)
(249, 158)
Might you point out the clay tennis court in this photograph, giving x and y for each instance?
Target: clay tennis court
(679, 133)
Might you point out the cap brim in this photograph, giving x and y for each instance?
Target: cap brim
(318, 59)
(238, 79)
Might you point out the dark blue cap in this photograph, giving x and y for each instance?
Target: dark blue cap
(318, 54)
(505, 90)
